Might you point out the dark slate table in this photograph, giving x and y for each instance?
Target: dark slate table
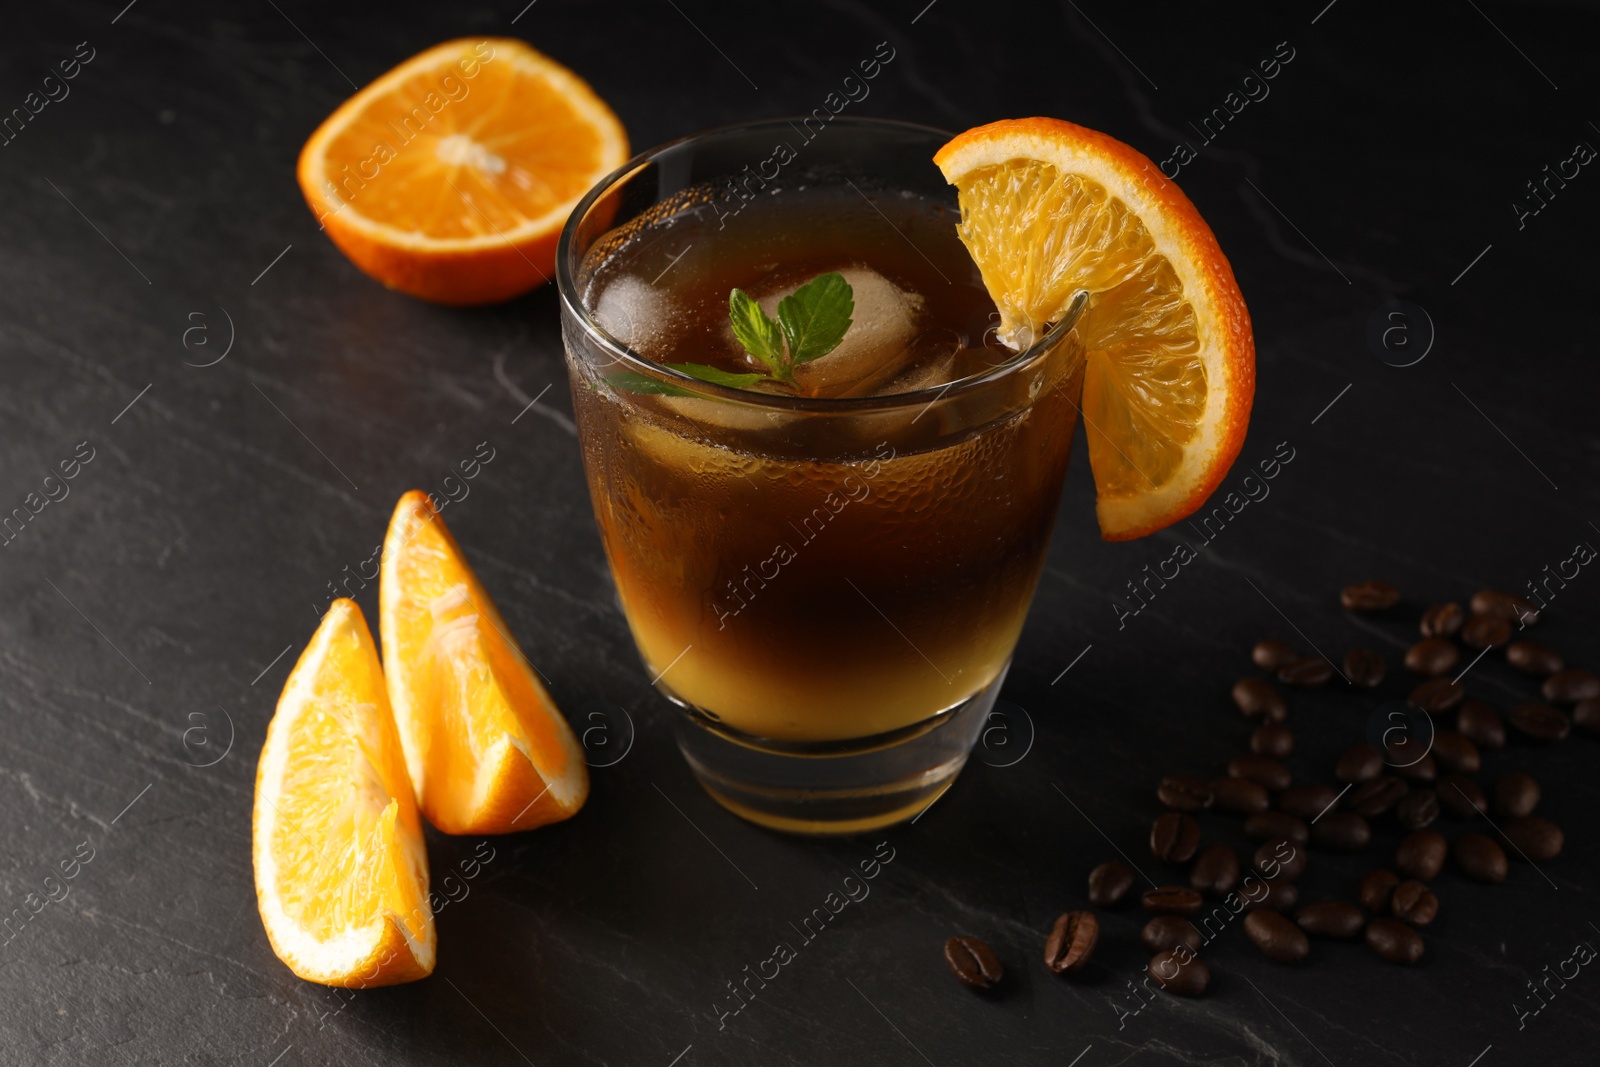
(244, 407)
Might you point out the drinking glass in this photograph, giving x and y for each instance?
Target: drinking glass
(830, 589)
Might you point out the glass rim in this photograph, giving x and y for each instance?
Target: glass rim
(626, 358)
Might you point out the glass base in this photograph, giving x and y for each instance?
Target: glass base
(835, 787)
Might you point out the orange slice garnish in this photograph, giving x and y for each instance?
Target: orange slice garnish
(488, 751)
(450, 177)
(341, 871)
(1049, 208)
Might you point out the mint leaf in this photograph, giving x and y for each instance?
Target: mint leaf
(759, 334)
(633, 382)
(815, 317)
(715, 376)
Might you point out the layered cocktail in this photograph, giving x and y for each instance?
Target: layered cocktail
(828, 568)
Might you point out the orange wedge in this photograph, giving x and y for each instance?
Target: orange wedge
(341, 872)
(450, 177)
(1049, 208)
(488, 751)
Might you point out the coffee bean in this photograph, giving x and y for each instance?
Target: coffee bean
(1172, 900)
(1109, 883)
(1265, 825)
(1240, 795)
(1071, 941)
(1365, 668)
(1462, 797)
(1376, 887)
(1540, 722)
(1368, 596)
(1418, 810)
(1485, 631)
(1481, 725)
(1375, 796)
(1281, 858)
(1438, 695)
(1169, 931)
(1516, 794)
(1414, 902)
(1404, 751)
(1308, 672)
(1432, 656)
(1359, 763)
(1586, 715)
(1280, 895)
(1531, 657)
(1504, 605)
(1216, 870)
(1407, 765)
(1278, 939)
(973, 962)
(1263, 770)
(1272, 739)
(1341, 831)
(1308, 800)
(1480, 857)
(1421, 855)
(1255, 696)
(1394, 941)
(1174, 837)
(1179, 971)
(1535, 839)
(1184, 792)
(1331, 918)
(1442, 620)
(1272, 655)
(1455, 753)
(1570, 686)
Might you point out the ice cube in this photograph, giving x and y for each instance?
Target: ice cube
(874, 349)
(931, 362)
(708, 454)
(634, 312)
(726, 415)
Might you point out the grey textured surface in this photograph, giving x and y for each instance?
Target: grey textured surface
(151, 614)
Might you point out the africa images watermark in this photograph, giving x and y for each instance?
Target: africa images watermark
(1543, 189)
(1540, 590)
(54, 489)
(51, 90)
(851, 490)
(1583, 954)
(344, 188)
(453, 489)
(469, 869)
(54, 893)
(855, 890)
(1254, 490)
(737, 191)
(1210, 927)
(1251, 90)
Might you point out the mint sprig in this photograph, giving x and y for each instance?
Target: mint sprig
(811, 322)
(815, 317)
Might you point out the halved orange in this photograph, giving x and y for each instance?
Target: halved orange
(1048, 208)
(450, 177)
(488, 750)
(341, 871)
